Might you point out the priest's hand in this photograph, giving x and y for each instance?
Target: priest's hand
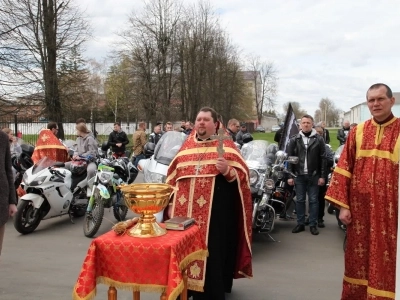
(222, 165)
(345, 216)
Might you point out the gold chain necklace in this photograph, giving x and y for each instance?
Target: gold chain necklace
(199, 167)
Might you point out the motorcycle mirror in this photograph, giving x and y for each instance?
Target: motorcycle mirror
(293, 160)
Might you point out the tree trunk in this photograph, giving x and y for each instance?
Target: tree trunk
(52, 97)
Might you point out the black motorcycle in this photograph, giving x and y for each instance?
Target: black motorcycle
(266, 183)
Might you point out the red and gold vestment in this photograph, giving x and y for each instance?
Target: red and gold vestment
(365, 181)
(48, 145)
(193, 173)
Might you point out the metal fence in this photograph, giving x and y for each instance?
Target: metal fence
(29, 131)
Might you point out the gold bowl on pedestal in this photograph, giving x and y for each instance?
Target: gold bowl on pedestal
(146, 199)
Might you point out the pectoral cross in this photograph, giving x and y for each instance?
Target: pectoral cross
(220, 137)
(198, 169)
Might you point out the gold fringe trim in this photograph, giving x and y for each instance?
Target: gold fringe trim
(131, 286)
(197, 255)
(176, 291)
(91, 295)
(195, 288)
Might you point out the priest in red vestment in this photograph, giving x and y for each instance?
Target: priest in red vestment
(214, 189)
(48, 145)
(365, 187)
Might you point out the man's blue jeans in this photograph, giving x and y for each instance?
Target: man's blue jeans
(137, 158)
(307, 184)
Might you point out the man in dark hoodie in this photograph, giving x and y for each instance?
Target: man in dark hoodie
(310, 172)
(118, 140)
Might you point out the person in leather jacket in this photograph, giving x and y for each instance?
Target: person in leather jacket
(343, 132)
(118, 140)
(310, 171)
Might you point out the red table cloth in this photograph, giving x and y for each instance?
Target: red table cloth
(139, 264)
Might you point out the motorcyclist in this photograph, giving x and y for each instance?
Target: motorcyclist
(118, 140)
(86, 147)
(239, 135)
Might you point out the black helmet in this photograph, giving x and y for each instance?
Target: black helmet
(78, 167)
(120, 168)
(105, 146)
(21, 162)
(133, 172)
(272, 148)
(149, 149)
(27, 149)
(247, 137)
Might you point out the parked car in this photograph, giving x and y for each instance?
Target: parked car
(275, 128)
(260, 129)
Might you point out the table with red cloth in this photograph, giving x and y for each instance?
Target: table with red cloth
(140, 264)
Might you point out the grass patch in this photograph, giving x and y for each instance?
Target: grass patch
(269, 136)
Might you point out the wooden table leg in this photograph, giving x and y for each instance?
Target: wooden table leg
(112, 293)
(184, 292)
(163, 296)
(136, 295)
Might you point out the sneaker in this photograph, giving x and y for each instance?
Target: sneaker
(314, 230)
(321, 224)
(298, 228)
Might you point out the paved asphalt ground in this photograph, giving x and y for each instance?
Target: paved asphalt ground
(44, 265)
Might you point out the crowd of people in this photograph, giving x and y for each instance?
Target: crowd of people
(364, 187)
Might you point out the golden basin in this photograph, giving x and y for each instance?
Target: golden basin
(146, 199)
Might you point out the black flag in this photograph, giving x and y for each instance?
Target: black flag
(290, 129)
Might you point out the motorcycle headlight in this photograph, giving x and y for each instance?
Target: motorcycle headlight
(253, 177)
(263, 202)
(105, 177)
(269, 184)
(38, 181)
(154, 177)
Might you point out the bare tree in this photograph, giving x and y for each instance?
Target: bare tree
(264, 76)
(327, 112)
(37, 34)
(150, 42)
(298, 111)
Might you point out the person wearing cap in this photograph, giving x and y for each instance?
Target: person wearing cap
(239, 135)
(155, 136)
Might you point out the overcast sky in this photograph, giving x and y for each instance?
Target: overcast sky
(333, 49)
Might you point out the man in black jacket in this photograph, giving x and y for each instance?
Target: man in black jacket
(233, 128)
(118, 140)
(310, 172)
(155, 136)
(343, 132)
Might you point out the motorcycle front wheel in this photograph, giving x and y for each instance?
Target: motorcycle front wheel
(25, 220)
(93, 219)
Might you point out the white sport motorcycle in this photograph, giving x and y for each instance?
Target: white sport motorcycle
(155, 168)
(51, 191)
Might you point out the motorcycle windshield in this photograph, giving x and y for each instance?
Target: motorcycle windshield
(42, 164)
(339, 151)
(168, 146)
(255, 154)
